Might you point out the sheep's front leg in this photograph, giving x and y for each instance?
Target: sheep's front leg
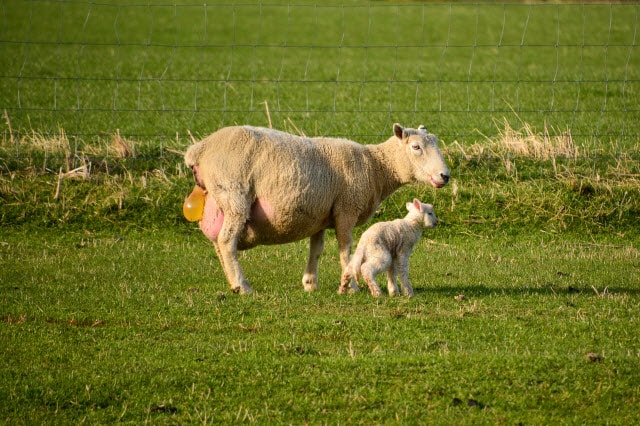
(310, 277)
(227, 249)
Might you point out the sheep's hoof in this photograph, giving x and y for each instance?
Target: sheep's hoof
(310, 287)
(242, 289)
(310, 283)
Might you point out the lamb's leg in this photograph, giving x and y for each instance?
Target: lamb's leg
(391, 281)
(227, 249)
(368, 271)
(310, 277)
(402, 268)
(378, 260)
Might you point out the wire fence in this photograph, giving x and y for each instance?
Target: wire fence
(155, 72)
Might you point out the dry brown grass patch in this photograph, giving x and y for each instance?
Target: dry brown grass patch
(526, 142)
(120, 147)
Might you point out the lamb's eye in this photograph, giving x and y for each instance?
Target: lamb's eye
(415, 147)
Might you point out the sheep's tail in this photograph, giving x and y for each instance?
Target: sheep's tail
(193, 154)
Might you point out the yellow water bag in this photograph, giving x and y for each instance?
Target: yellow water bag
(193, 206)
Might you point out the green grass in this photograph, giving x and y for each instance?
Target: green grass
(114, 309)
(106, 327)
(349, 70)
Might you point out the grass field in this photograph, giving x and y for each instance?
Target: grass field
(354, 70)
(113, 308)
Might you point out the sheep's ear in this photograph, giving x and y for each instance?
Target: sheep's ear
(398, 130)
(417, 204)
(409, 206)
(422, 128)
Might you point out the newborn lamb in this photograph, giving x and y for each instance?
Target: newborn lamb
(387, 246)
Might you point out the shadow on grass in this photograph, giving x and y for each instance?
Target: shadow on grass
(550, 290)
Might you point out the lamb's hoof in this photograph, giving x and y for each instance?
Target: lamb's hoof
(343, 288)
(353, 287)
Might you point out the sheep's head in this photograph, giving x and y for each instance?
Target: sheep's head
(421, 148)
(424, 211)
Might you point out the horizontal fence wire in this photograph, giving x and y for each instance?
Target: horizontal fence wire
(157, 72)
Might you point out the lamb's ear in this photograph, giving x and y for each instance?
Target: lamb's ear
(417, 204)
(398, 130)
(409, 206)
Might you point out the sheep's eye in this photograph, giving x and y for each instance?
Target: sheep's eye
(415, 147)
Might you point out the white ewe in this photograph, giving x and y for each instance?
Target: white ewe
(386, 246)
(265, 186)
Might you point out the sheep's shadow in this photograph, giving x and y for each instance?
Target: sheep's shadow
(477, 291)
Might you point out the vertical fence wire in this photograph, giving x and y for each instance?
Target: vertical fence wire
(626, 71)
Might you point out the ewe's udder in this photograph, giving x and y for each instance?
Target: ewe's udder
(212, 218)
(261, 211)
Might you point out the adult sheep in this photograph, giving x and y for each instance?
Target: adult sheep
(264, 186)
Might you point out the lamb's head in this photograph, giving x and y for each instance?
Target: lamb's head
(423, 154)
(422, 212)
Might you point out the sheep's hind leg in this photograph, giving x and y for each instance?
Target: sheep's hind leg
(227, 249)
(316, 246)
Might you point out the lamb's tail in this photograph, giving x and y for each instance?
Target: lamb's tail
(351, 271)
(355, 263)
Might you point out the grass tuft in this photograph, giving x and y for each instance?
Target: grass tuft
(120, 147)
(529, 143)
